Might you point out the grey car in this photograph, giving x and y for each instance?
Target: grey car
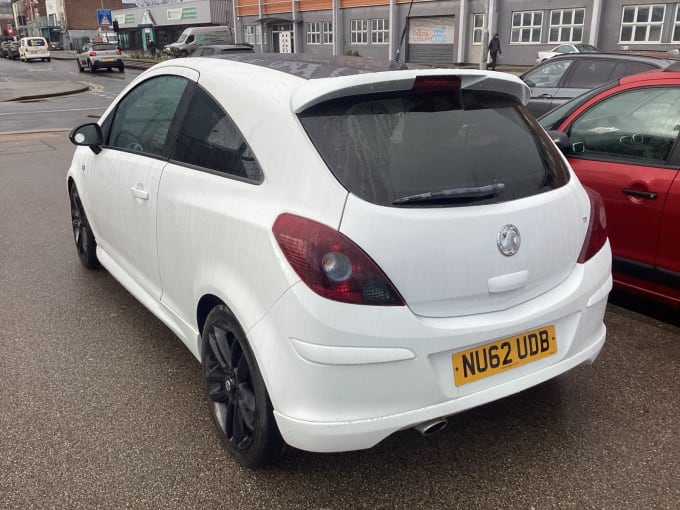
(563, 77)
(100, 56)
(220, 49)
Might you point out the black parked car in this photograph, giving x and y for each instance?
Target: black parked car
(563, 77)
(13, 50)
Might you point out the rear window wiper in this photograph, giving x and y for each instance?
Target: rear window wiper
(453, 194)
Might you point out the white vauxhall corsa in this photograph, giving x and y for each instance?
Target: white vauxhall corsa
(349, 251)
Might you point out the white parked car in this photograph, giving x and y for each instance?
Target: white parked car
(566, 48)
(33, 48)
(348, 253)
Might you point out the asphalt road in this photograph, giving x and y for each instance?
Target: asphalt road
(102, 407)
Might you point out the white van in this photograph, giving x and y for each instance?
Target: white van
(194, 37)
(31, 48)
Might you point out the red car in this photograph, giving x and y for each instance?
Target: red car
(622, 140)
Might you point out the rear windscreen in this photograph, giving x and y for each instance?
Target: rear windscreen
(434, 148)
(104, 47)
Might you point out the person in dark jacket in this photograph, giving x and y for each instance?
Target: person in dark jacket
(494, 50)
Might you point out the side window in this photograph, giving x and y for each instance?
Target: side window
(548, 75)
(626, 68)
(209, 138)
(142, 119)
(635, 125)
(590, 73)
(190, 39)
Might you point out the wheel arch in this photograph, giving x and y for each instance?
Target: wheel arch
(205, 305)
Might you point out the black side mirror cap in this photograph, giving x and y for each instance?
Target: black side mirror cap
(561, 139)
(89, 135)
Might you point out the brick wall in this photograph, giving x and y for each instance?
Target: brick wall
(82, 14)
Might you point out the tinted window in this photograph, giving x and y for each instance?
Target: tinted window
(634, 125)
(626, 68)
(590, 73)
(209, 138)
(142, 119)
(547, 75)
(104, 47)
(386, 147)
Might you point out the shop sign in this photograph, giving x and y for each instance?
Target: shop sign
(435, 30)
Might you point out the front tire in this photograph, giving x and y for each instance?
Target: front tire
(86, 245)
(239, 403)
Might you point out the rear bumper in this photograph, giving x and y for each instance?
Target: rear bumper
(98, 64)
(344, 377)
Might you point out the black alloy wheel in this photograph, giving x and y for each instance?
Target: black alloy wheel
(238, 400)
(86, 245)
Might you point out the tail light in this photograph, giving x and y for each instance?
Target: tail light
(448, 83)
(331, 264)
(117, 52)
(596, 235)
(93, 53)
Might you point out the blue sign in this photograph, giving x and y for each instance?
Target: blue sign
(104, 17)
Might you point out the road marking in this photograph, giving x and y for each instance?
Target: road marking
(55, 111)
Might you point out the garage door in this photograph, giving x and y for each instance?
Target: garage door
(430, 40)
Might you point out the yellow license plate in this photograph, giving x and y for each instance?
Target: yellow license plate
(511, 352)
(108, 59)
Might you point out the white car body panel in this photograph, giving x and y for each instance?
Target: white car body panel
(428, 253)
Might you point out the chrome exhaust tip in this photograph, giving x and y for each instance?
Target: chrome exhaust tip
(430, 427)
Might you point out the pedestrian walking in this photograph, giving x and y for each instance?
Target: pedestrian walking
(494, 51)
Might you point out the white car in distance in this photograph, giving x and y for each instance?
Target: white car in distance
(566, 48)
(349, 251)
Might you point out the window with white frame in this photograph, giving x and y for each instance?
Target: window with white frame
(526, 27)
(313, 32)
(566, 25)
(676, 25)
(359, 31)
(642, 23)
(380, 31)
(478, 22)
(327, 32)
(249, 34)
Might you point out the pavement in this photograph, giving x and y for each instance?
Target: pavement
(20, 90)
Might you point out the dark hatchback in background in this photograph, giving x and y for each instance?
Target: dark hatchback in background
(563, 77)
(621, 139)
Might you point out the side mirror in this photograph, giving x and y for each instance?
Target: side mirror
(560, 138)
(89, 135)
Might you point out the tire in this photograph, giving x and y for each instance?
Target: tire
(184, 53)
(80, 68)
(90, 67)
(49, 59)
(237, 397)
(86, 244)
(121, 68)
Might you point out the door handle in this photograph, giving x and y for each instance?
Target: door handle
(140, 193)
(545, 96)
(640, 194)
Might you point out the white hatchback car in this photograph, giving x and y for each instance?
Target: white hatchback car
(348, 252)
(34, 48)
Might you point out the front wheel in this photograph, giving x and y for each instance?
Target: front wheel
(239, 404)
(86, 245)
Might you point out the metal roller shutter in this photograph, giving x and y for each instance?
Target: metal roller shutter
(431, 40)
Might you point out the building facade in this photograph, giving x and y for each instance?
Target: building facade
(154, 26)
(454, 31)
(69, 22)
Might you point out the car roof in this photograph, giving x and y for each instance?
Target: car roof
(301, 81)
(627, 57)
(313, 67)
